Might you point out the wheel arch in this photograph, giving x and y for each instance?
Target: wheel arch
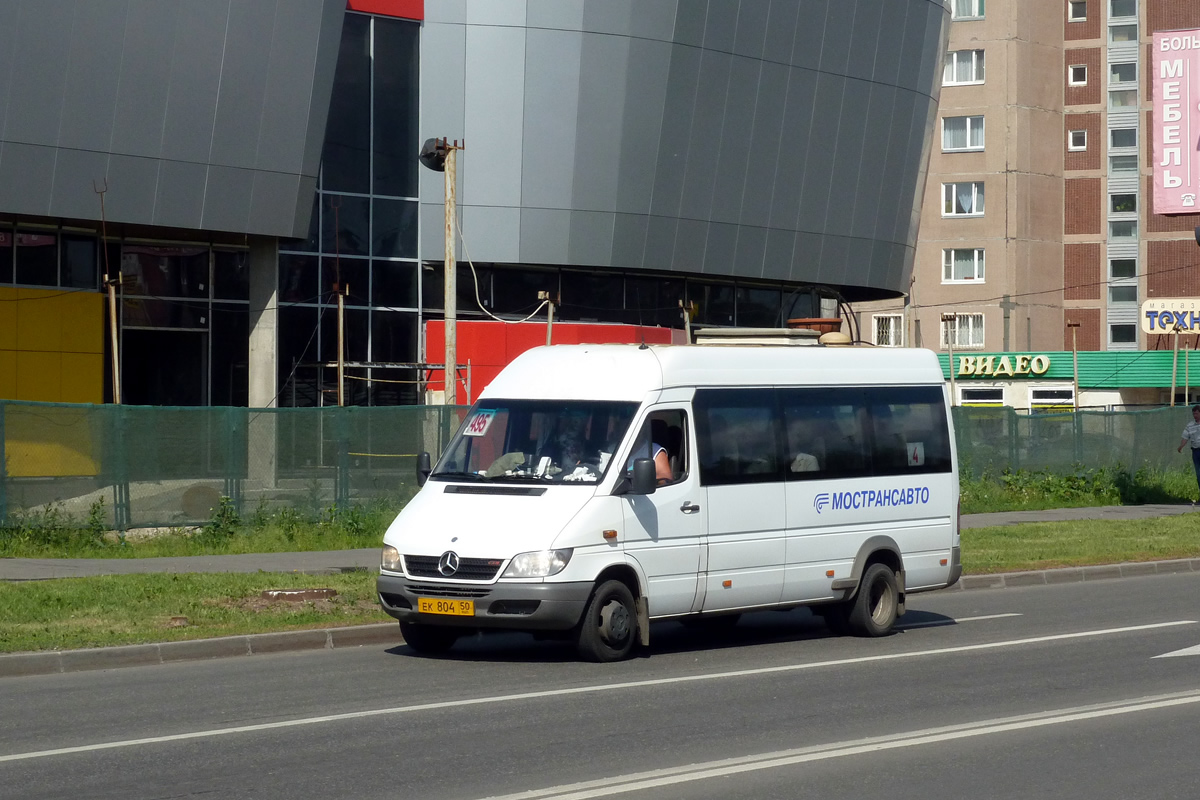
(878, 549)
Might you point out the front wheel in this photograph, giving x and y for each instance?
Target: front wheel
(428, 639)
(875, 607)
(608, 629)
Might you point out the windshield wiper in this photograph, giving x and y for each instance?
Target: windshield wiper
(473, 476)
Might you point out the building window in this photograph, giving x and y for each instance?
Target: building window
(1077, 75)
(1124, 230)
(1122, 137)
(1122, 8)
(1122, 294)
(1123, 203)
(1077, 140)
(967, 9)
(1118, 34)
(1122, 334)
(965, 331)
(1122, 73)
(1122, 268)
(980, 397)
(889, 330)
(1122, 165)
(961, 265)
(962, 199)
(962, 133)
(1076, 10)
(1123, 100)
(963, 66)
(1052, 399)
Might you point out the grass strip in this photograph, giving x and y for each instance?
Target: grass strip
(74, 613)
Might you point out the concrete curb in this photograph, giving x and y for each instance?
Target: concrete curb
(140, 655)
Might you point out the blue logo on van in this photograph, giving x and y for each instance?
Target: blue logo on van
(871, 498)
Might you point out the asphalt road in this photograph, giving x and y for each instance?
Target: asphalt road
(1041, 691)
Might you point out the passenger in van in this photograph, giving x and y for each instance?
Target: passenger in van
(651, 444)
(802, 437)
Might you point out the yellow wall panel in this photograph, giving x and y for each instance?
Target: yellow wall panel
(8, 374)
(38, 321)
(82, 378)
(81, 319)
(8, 318)
(39, 376)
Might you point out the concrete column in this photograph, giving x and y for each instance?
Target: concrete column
(263, 363)
(264, 321)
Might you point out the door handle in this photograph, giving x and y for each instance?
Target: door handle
(688, 507)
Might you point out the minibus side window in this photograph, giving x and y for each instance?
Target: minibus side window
(737, 436)
(824, 433)
(908, 430)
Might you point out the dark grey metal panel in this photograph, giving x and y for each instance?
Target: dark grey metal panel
(158, 88)
(227, 198)
(78, 175)
(39, 69)
(736, 135)
(591, 238)
(751, 28)
(26, 178)
(682, 78)
(142, 95)
(715, 163)
(629, 239)
(641, 124)
(179, 201)
(90, 90)
(705, 136)
(240, 103)
(131, 188)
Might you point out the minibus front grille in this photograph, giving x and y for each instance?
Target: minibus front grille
(467, 592)
(469, 569)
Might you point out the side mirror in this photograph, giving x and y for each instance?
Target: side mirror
(423, 468)
(645, 477)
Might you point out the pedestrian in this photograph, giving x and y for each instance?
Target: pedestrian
(1191, 437)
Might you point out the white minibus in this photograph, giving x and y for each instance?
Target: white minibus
(593, 489)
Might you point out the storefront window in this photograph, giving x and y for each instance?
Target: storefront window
(37, 258)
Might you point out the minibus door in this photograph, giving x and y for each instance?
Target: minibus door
(664, 531)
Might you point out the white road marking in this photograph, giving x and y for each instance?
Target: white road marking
(940, 623)
(1187, 651)
(623, 784)
(604, 687)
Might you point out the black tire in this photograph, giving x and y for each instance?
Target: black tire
(874, 608)
(713, 624)
(609, 627)
(428, 639)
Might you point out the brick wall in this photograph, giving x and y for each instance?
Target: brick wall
(1166, 15)
(1172, 268)
(1087, 336)
(1083, 159)
(1082, 209)
(1088, 28)
(1089, 93)
(1082, 271)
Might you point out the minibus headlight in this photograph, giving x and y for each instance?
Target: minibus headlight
(538, 565)
(391, 559)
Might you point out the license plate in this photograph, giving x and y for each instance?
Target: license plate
(457, 608)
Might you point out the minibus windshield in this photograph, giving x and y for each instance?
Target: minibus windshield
(536, 441)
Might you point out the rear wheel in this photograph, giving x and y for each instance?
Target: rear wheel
(875, 607)
(608, 629)
(428, 639)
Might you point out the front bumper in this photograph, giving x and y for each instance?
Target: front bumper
(511, 606)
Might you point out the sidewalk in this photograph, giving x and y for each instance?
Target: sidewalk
(388, 634)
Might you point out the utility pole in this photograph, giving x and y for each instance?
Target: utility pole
(951, 323)
(439, 155)
(110, 286)
(549, 313)
(1074, 326)
(1175, 365)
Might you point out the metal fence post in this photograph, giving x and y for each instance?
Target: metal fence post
(122, 517)
(342, 482)
(3, 470)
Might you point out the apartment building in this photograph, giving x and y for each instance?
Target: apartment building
(1038, 231)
